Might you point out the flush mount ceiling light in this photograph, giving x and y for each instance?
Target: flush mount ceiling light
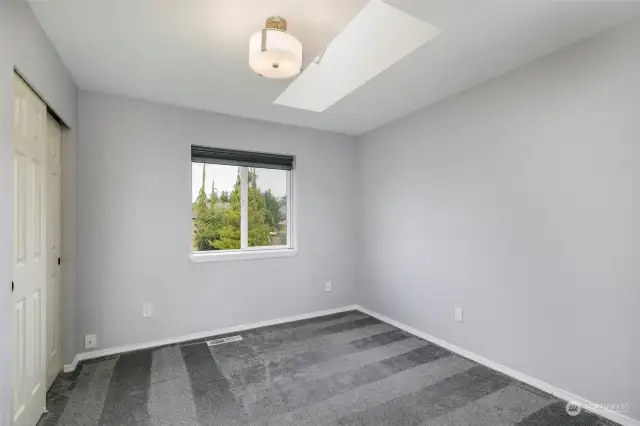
(273, 53)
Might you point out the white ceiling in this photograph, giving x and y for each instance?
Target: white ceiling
(194, 53)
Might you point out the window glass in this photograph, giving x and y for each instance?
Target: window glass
(215, 205)
(267, 207)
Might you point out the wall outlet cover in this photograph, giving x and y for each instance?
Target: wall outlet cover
(328, 286)
(147, 310)
(459, 314)
(90, 341)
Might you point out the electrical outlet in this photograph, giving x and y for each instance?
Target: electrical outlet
(327, 286)
(90, 341)
(458, 314)
(147, 310)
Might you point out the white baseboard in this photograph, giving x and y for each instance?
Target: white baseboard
(553, 390)
(200, 335)
(68, 368)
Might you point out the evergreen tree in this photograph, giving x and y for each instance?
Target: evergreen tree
(214, 196)
(208, 222)
(201, 201)
(230, 232)
(273, 206)
(258, 232)
(220, 229)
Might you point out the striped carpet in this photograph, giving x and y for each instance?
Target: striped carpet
(343, 369)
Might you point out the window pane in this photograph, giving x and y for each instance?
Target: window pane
(215, 201)
(267, 207)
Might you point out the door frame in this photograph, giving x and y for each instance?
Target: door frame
(53, 261)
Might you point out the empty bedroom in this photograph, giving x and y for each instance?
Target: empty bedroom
(319, 212)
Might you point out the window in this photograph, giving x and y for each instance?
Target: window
(241, 204)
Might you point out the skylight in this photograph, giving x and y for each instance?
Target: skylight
(378, 37)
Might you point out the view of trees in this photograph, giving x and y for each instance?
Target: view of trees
(217, 217)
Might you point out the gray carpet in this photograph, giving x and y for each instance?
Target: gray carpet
(343, 369)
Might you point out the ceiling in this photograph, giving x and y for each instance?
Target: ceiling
(194, 53)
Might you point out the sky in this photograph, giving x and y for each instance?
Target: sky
(225, 178)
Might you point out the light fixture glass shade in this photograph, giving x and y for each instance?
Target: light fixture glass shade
(278, 55)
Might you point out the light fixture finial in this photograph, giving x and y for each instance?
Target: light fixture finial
(277, 23)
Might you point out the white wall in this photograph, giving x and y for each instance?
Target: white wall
(134, 224)
(24, 45)
(519, 202)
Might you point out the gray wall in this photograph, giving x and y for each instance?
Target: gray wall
(134, 224)
(519, 202)
(24, 45)
(516, 200)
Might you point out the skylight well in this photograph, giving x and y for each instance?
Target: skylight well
(378, 37)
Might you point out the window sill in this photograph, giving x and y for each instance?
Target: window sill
(242, 255)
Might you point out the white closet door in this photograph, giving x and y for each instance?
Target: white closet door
(54, 213)
(29, 255)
